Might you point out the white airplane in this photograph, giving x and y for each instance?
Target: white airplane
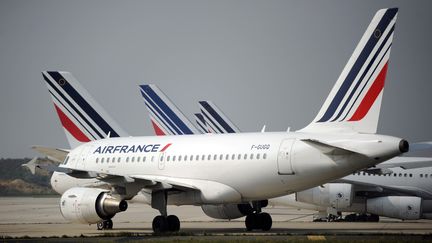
(193, 169)
(399, 193)
(399, 188)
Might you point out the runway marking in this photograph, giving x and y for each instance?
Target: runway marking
(316, 237)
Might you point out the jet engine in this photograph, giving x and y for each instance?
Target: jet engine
(227, 211)
(400, 207)
(335, 195)
(90, 205)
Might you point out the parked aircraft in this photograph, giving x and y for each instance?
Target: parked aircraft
(339, 141)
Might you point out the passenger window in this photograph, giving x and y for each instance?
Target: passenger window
(215, 157)
(426, 175)
(197, 157)
(405, 175)
(180, 157)
(209, 157)
(421, 175)
(203, 157)
(138, 158)
(119, 159)
(107, 160)
(400, 174)
(191, 158)
(127, 159)
(394, 175)
(160, 158)
(186, 157)
(233, 157)
(245, 156)
(239, 157)
(174, 158)
(264, 156)
(410, 175)
(113, 160)
(258, 156)
(227, 157)
(221, 157)
(102, 160)
(152, 159)
(132, 159)
(168, 158)
(144, 159)
(97, 160)
(251, 157)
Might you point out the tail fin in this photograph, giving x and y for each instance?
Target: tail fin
(215, 119)
(201, 125)
(82, 118)
(354, 102)
(166, 118)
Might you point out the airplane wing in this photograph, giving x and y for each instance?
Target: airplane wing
(56, 154)
(371, 189)
(406, 163)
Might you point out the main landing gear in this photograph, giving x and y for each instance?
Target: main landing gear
(105, 225)
(258, 220)
(163, 222)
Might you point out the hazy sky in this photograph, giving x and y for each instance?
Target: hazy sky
(262, 62)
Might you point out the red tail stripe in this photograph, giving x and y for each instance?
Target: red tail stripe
(71, 127)
(371, 96)
(157, 129)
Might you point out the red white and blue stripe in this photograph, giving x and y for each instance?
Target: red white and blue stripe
(81, 117)
(166, 118)
(362, 81)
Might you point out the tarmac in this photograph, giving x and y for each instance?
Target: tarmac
(22, 217)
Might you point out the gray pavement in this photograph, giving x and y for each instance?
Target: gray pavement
(40, 217)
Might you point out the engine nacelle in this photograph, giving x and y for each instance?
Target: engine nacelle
(227, 211)
(89, 205)
(335, 195)
(404, 207)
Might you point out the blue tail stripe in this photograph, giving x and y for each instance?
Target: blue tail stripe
(166, 109)
(153, 112)
(84, 105)
(382, 25)
(216, 116)
(364, 86)
(71, 105)
(69, 112)
(200, 122)
(364, 74)
(161, 115)
(211, 121)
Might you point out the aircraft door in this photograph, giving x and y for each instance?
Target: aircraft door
(284, 157)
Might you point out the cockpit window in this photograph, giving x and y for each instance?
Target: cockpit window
(66, 160)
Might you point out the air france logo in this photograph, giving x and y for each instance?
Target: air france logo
(130, 149)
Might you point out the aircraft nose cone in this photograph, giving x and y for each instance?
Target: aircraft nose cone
(403, 146)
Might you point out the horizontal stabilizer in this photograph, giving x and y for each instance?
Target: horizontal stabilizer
(330, 148)
(56, 154)
(407, 162)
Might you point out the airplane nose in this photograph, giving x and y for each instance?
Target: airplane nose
(403, 146)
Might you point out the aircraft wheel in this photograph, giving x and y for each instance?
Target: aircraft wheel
(160, 224)
(265, 221)
(250, 222)
(173, 223)
(100, 225)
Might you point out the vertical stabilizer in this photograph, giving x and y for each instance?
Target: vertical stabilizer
(354, 103)
(82, 118)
